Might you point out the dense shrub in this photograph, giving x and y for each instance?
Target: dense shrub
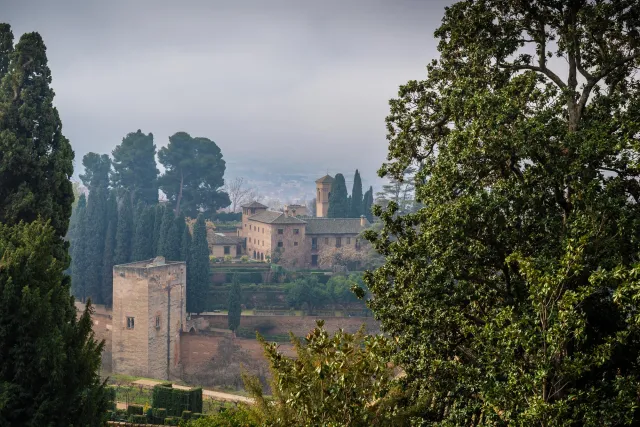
(176, 400)
(135, 410)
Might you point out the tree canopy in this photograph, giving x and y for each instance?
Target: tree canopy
(235, 309)
(356, 205)
(135, 169)
(96, 171)
(511, 291)
(194, 174)
(338, 199)
(199, 269)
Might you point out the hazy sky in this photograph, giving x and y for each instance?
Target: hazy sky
(301, 85)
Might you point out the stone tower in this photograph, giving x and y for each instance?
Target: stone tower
(323, 191)
(149, 314)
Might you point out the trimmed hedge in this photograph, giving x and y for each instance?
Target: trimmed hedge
(186, 415)
(111, 397)
(176, 400)
(135, 410)
(140, 419)
(171, 421)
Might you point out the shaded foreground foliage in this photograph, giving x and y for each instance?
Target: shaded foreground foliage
(513, 290)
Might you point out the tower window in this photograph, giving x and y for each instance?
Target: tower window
(227, 250)
(130, 322)
(157, 321)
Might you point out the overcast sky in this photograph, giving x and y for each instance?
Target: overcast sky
(301, 85)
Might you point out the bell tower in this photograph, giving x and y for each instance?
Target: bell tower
(323, 192)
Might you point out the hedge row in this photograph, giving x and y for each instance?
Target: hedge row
(176, 401)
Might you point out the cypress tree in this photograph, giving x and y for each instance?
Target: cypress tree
(157, 226)
(185, 247)
(367, 204)
(164, 242)
(338, 201)
(235, 309)
(174, 241)
(143, 239)
(109, 249)
(79, 254)
(49, 360)
(200, 270)
(124, 233)
(357, 202)
(96, 236)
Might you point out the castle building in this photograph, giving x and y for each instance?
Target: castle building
(149, 314)
(294, 240)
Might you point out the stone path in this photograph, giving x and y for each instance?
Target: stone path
(215, 395)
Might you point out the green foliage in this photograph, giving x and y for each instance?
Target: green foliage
(236, 417)
(134, 168)
(135, 410)
(357, 202)
(194, 171)
(106, 290)
(199, 271)
(338, 205)
(157, 226)
(79, 249)
(185, 245)
(334, 380)
(143, 239)
(36, 160)
(173, 401)
(309, 292)
(96, 235)
(164, 244)
(235, 309)
(49, 360)
(96, 171)
(124, 234)
(173, 248)
(513, 291)
(137, 418)
(367, 204)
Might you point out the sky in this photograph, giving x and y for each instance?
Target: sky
(288, 86)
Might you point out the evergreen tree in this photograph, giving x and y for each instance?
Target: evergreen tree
(357, 201)
(143, 239)
(338, 202)
(96, 236)
(157, 226)
(199, 272)
(185, 248)
(6, 47)
(79, 254)
(367, 204)
(49, 360)
(109, 249)
(96, 171)
(135, 169)
(235, 309)
(174, 241)
(36, 160)
(164, 243)
(124, 238)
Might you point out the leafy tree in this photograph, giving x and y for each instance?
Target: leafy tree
(135, 169)
(306, 292)
(367, 204)
(235, 310)
(157, 226)
(400, 190)
(194, 171)
(109, 249)
(199, 272)
(49, 360)
(124, 233)
(36, 160)
(513, 291)
(79, 254)
(96, 171)
(164, 243)
(356, 197)
(6, 47)
(334, 380)
(338, 204)
(143, 239)
(96, 236)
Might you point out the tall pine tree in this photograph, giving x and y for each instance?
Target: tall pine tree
(96, 234)
(157, 226)
(49, 359)
(143, 239)
(109, 249)
(165, 232)
(199, 272)
(235, 309)
(356, 197)
(79, 254)
(124, 238)
(185, 248)
(338, 201)
(367, 204)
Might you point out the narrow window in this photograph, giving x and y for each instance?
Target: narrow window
(295, 243)
(326, 240)
(280, 230)
(157, 322)
(280, 244)
(296, 231)
(348, 240)
(227, 250)
(130, 322)
(338, 242)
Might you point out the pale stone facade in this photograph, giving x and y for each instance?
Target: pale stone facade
(149, 312)
(323, 192)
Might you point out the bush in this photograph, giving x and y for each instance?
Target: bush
(176, 400)
(135, 410)
(111, 397)
(228, 258)
(244, 258)
(158, 415)
(139, 419)
(186, 415)
(171, 421)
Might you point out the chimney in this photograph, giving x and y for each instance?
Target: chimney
(363, 221)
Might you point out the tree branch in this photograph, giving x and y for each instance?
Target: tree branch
(544, 70)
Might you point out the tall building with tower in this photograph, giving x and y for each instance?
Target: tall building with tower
(323, 192)
(149, 315)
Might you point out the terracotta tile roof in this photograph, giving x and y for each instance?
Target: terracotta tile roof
(272, 217)
(254, 204)
(220, 239)
(326, 178)
(334, 226)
